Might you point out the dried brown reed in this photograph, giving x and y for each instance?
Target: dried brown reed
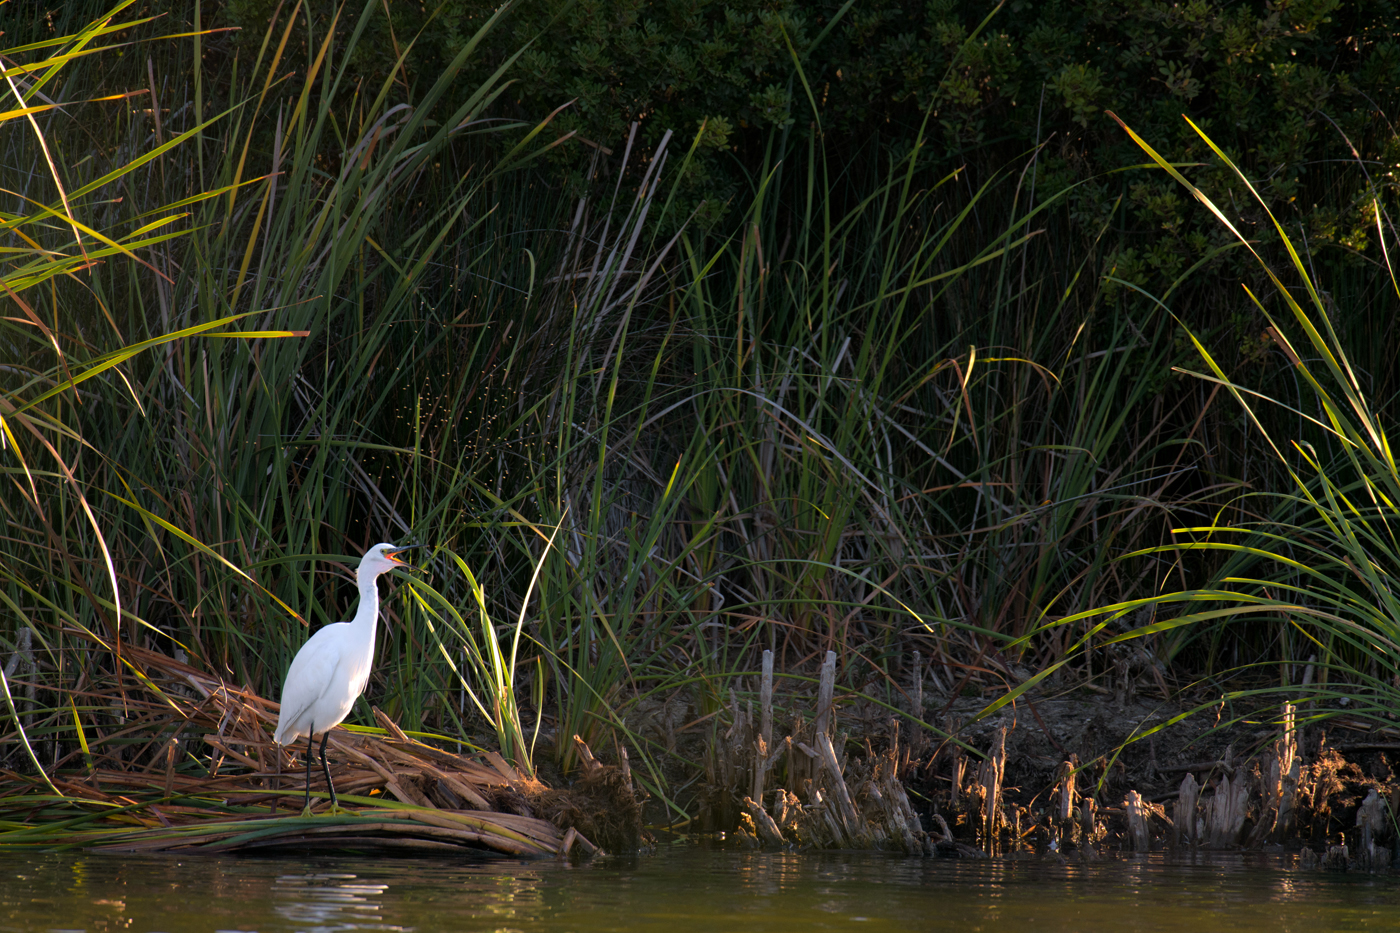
(409, 794)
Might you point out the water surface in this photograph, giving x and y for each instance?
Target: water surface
(686, 890)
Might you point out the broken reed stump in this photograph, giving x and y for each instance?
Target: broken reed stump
(989, 779)
(1280, 785)
(765, 703)
(1375, 827)
(248, 793)
(1089, 826)
(1226, 809)
(1136, 809)
(1184, 818)
(762, 761)
(1063, 826)
(959, 764)
(826, 692)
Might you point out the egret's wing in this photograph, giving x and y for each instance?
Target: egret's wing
(312, 679)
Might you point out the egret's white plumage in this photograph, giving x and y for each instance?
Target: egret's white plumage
(332, 668)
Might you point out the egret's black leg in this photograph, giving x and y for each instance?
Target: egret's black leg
(335, 804)
(306, 810)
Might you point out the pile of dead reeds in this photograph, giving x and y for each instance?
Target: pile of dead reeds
(209, 777)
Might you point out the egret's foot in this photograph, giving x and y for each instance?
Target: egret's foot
(306, 811)
(337, 810)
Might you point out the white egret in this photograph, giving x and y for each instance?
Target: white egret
(332, 668)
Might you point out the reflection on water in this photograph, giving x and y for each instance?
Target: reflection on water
(327, 902)
(685, 890)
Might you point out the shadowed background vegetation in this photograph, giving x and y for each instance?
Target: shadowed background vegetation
(848, 328)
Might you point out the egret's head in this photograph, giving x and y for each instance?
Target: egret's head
(382, 558)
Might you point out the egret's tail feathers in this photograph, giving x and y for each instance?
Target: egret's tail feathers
(286, 733)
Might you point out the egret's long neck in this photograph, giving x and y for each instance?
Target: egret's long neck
(368, 613)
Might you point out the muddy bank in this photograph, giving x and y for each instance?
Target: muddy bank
(1085, 771)
(1088, 772)
(1080, 773)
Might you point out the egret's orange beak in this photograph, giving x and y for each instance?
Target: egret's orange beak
(394, 556)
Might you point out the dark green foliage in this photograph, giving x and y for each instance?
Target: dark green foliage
(1288, 89)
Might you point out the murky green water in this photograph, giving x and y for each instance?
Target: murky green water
(686, 891)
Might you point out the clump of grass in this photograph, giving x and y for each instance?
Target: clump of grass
(1321, 569)
(863, 423)
(1309, 571)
